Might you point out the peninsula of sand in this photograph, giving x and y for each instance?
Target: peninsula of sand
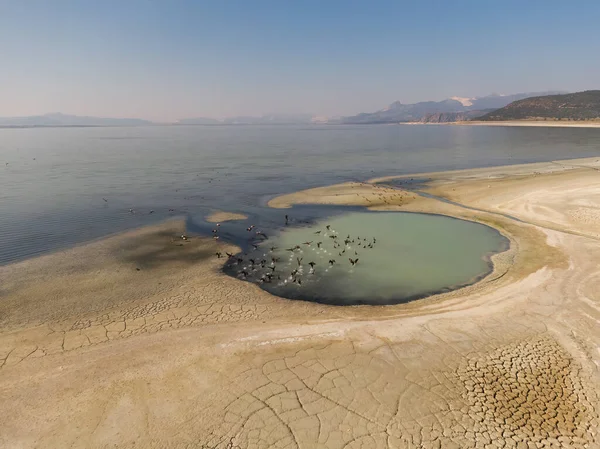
(140, 341)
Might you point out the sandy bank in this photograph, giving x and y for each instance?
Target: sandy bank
(95, 353)
(219, 216)
(349, 193)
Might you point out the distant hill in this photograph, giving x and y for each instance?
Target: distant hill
(447, 117)
(270, 119)
(198, 121)
(58, 119)
(416, 112)
(575, 106)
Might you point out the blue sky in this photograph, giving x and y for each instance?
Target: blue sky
(165, 60)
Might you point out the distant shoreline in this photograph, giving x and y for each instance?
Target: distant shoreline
(524, 123)
(531, 123)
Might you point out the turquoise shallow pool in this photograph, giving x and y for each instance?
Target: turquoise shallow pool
(397, 257)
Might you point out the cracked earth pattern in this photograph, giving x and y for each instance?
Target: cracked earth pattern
(530, 391)
(205, 361)
(172, 313)
(528, 394)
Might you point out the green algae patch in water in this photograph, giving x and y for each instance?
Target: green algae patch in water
(372, 258)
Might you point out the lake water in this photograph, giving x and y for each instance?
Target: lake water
(371, 258)
(53, 181)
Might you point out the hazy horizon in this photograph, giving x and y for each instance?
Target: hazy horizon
(166, 62)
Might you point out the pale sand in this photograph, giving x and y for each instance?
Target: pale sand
(219, 216)
(348, 193)
(97, 354)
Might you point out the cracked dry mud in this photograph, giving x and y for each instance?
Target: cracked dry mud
(94, 353)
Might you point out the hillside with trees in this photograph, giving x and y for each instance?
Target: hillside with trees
(576, 106)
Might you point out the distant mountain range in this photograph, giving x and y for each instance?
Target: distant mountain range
(492, 107)
(448, 117)
(58, 119)
(576, 106)
(198, 121)
(269, 119)
(417, 112)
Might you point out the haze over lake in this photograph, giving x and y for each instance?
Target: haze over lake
(53, 180)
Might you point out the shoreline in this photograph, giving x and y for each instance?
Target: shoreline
(89, 340)
(519, 123)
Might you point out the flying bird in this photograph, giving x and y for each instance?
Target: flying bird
(353, 262)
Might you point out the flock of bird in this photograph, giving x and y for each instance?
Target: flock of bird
(268, 265)
(299, 263)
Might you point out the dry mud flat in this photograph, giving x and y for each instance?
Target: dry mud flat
(95, 353)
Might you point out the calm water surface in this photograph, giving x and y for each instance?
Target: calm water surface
(53, 180)
(371, 258)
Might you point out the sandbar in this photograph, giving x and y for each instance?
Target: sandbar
(219, 216)
(96, 353)
(347, 194)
